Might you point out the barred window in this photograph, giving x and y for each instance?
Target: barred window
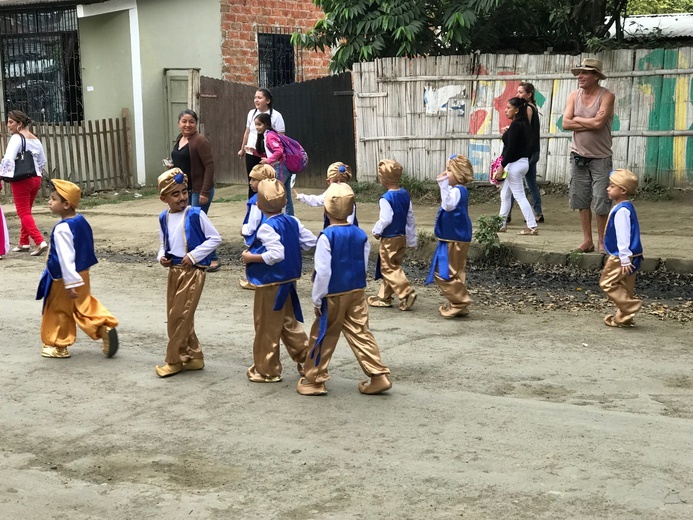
(276, 60)
(41, 75)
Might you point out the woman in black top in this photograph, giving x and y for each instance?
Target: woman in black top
(517, 148)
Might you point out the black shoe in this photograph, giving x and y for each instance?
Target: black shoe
(508, 220)
(540, 219)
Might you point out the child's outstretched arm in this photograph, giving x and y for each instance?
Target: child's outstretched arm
(312, 200)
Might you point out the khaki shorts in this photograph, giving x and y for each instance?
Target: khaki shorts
(589, 179)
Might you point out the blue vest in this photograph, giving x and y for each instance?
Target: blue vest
(399, 201)
(348, 267)
(259, 273)
(455, 225)
(194, 236)
(610, 242)
(84, 247)
(252, 201)
(326, 221)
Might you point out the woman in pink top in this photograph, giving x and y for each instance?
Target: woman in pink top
(268, 139)
(24, 191)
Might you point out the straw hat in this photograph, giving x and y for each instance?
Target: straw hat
(589, 64)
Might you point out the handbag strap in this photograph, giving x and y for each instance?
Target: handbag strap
(23, 143)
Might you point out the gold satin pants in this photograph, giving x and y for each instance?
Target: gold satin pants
(62, 314)
(455, 289)
(619, 287)
(272, 326)
(348, 314)
(394, 280)
(183, 293)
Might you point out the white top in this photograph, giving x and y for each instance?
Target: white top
(272, 241)
(176, 237)
(254, 220)
(277, 125)
(319, 200)
(323, 268)
(64, 244)
(449, 197)
(622, 227)
(14, 146)
(385, 219)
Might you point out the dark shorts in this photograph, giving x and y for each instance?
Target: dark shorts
(589, 179)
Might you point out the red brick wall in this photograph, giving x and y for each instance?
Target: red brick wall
(239, 26)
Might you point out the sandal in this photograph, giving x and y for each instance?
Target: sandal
(503, 229)
(214, 268)
(610, 321)
(584, 250)
(533, 231)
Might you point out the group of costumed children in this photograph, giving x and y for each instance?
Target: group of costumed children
(273, 263)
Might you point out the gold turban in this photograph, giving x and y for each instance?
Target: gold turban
(271, 196)
(170, 180)
(390, 171)
(339, 200)
(261, 172)
(461, 168)
(339, 169)
(68, 190)
(626, 179)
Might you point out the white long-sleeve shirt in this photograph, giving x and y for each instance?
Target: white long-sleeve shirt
(254, 219)
(14, 146)
(385, 219)
(319, 200)
(323, 268)
(622, 227)
(176, 237)
(449, 197)
(273, 243)
(64, 245)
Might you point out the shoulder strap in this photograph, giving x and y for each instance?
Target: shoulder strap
(23, 143)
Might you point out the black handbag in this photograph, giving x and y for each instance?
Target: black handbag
(24, 166)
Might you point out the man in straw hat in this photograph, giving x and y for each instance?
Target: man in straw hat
(589, 113)
(65, 287)
(622, 243)
(453, 229)
(339, 297)
(187, 240)
(273, 263)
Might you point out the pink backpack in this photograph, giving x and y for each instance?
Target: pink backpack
(295, 157)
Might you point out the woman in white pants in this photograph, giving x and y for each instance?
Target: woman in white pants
(517, 147)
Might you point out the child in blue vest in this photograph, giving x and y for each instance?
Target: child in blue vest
(341, 263)
(622, 243)
(396, 231)
(453, 229)
(187, 240)
(253, 216)
(336, 173)
(273, 264)
(64, 287)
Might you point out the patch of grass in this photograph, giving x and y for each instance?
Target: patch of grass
(486, 234)
(652, 190)
(420, 191)
(100, 198)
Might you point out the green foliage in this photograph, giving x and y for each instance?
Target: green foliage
(659, 6)
(652, 190)
(362, 30)
(421, 191)
(100, 198)
(486, 234)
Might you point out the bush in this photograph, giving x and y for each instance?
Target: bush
(486, 234)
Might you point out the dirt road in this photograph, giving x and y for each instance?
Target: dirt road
(511, 413)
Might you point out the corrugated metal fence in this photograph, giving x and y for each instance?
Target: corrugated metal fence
(420, 111)
(93, 154)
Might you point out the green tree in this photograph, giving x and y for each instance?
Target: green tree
(659, 6)
(362, 30)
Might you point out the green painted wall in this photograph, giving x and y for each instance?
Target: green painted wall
(106, 68)
(173, 34)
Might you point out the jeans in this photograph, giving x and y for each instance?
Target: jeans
(284, 175)
(24, 194)
(531, 181)
(195, 203)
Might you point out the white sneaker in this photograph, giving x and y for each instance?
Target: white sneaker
(21, 249)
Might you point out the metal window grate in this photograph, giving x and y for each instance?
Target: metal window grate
(41, 75)
(277, 59)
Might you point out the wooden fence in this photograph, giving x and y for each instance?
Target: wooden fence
(420, 111)
(93, 154)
